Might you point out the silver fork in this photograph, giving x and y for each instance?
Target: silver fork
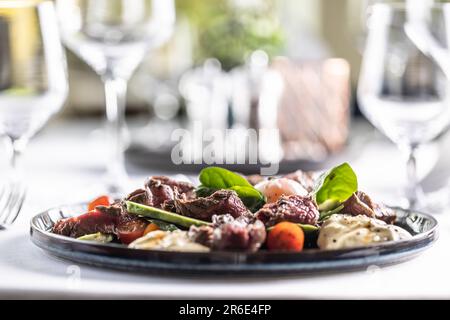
(11, 201)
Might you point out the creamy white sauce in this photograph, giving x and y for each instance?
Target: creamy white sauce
(345, 231)
(170, 241)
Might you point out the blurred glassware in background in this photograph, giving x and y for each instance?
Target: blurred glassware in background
(33, 85)
(402, 91)
(112, 36)
(306, 104)
(206, 90)
(248, 84)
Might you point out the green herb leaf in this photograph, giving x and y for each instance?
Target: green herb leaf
(335, 186)
(215, 178)
(219, 178)
(252, 198)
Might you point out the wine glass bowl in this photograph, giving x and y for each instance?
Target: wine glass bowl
(402, 90)
(33, 86)
(112, 37)
(33, 81)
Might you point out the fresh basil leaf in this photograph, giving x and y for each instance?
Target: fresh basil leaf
(215, 178)
(336, 185)
(220, 178)
(252, 198)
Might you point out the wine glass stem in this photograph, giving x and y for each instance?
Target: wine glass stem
(16, 150)
(15, 176)
(414, 192)
(115, 94)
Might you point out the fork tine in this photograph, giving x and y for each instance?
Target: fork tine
(9, 211)
(2, 191)
(4, 213)
(15, 210)
(2, 198)
(13, 201)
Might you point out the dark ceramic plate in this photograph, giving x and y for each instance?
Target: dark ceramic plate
(422, 226)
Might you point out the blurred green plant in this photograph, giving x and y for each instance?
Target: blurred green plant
(230, 30)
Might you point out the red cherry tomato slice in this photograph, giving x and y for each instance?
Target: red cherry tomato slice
(100, 201)
(129, 231)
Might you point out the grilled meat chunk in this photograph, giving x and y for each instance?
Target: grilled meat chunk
(88, 223)
(239, 235)
(160, 190)
(112, 219)
(139, 196)
(219, 203)
(181, 186)
(361, 203)
(294, 208)
(228, 233)
(203, 235)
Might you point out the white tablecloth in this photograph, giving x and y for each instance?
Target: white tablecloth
(64, 165)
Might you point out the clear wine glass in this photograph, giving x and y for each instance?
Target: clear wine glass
(33, 85)
(112, 36)
(403, 91)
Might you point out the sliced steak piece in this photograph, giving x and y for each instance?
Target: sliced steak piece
(129, 226)
(305, 178)
(239, 235)
(112, 219)
(294, 208)
(203, 235)
(139, 196)
(361, 203)
(169, 205)
(159, 190)
(219, 203)
(228, 233)
(182, 186)
(88, 223)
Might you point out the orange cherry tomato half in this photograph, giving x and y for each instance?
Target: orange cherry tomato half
(151, 227)
(286, 236)
(100, 201)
